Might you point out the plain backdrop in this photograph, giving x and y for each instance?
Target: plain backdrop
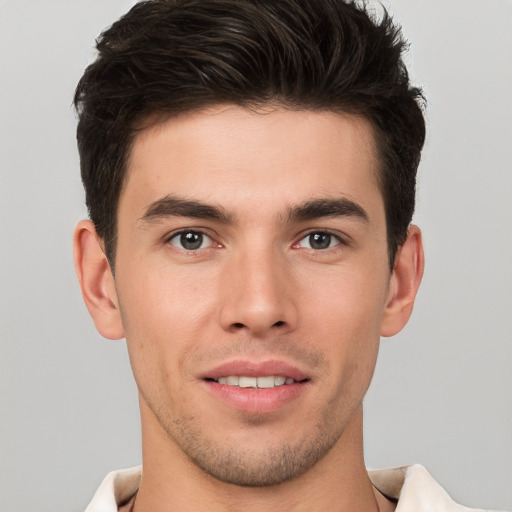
(441, 395)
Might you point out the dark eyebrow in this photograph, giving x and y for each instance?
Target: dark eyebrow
(317, 208)
(173, 206)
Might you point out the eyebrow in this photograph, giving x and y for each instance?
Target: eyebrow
(172, 206)
(318, 208)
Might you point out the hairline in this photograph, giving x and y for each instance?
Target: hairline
(149, 120)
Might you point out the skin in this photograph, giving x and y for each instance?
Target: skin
(256, 289)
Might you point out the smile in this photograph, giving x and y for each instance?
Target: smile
(263, 382)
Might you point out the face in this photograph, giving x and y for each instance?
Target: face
(252, 279)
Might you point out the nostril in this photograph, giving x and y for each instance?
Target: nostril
(278, 324)
(238, 325)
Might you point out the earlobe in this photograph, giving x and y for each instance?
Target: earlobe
(405, 281)
(96, 281)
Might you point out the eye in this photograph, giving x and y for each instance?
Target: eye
(190, 240)
(319, 240)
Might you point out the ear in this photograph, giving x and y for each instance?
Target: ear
(96, 281)
(404, 283)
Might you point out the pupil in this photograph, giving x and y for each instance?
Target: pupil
(320, 240)
(191, 240)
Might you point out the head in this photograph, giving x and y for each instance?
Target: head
(169, 57)
(249, 168)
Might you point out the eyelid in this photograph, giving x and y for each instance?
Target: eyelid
(342, 239)
(203, 231)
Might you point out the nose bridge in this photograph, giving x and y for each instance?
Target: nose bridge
(257, 294)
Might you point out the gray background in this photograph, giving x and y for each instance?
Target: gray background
(441, 395)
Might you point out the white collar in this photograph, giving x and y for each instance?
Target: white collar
(415, 489)
(412, 486)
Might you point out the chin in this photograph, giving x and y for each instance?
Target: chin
(249, 463)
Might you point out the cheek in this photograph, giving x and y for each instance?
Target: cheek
(346, 301)
(344, 321)
(163, 314)
(164, 298)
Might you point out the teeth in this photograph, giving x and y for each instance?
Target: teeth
(266, 382)
(248, 382)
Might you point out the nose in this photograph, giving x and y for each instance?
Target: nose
(258, 294)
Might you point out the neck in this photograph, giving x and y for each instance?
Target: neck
(337, 482)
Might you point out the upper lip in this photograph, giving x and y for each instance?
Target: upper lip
(248, 368)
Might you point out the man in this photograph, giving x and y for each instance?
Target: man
(250, 170)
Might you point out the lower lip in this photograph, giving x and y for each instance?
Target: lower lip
(257, 401)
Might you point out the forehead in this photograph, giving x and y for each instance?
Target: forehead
(247, 158)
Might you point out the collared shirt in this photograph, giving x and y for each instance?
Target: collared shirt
(412, 486)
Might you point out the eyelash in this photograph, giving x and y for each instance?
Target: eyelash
(340, 241)
(179, 234)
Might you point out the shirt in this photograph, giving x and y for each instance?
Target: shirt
(413, 487)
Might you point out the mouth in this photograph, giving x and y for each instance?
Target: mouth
(256, 388)
(261, 382)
